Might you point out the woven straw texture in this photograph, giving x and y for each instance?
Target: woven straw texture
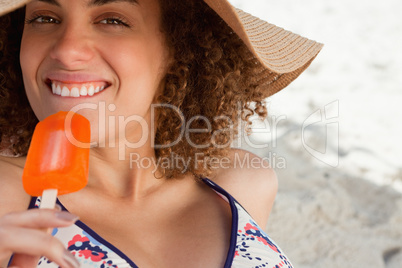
(7, 6)
(283, 54)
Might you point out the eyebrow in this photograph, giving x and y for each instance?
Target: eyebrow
(104, 2)
(52, 2)
(93, 2)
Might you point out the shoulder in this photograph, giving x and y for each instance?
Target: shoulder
(251, 181)
(12, 194)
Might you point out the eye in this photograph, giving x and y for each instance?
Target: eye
(113, 21)
(42, 19)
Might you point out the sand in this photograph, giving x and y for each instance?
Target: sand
(340, 194)
(323, 217)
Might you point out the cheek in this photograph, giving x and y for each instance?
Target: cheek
(34, 49)
(28, 54)
(32, 53)
(138, 67)
(30, 57)
(28, 68)
(145, 56)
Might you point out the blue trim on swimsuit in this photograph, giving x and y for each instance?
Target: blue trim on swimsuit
(92, 233)
(233, 234)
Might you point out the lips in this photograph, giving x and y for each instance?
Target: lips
(75, 89)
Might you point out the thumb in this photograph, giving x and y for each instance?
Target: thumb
(23, 261)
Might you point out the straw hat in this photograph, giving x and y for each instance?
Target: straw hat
(283, 54)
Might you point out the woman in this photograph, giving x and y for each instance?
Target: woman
(163, 84)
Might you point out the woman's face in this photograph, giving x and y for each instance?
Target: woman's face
(102, 58)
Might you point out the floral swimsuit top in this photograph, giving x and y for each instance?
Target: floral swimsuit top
(249, 245)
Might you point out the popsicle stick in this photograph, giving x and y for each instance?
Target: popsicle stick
(49, 197)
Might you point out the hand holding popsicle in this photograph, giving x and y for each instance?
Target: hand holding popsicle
(21, 235)
(57, 163)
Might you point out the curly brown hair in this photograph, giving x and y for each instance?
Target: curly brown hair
(210, 82)
(17, 120)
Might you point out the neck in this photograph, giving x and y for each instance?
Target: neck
(130, 175)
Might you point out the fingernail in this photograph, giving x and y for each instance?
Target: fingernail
(57, 207)
(66, 216)
(70, 259)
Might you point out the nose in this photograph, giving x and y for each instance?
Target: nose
(73, 47)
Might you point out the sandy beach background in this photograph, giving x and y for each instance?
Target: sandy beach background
(334, 135)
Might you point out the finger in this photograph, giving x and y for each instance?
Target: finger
(36, 243)
(39, 218)
(23, 260)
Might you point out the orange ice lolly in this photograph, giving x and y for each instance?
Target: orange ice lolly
(58, 156)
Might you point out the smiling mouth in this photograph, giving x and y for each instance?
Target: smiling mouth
(65, 89)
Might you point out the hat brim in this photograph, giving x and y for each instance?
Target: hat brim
(8, 6)
(283, 54)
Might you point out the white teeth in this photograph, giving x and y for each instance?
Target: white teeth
(83, 91)
(65, 92)
(91, 90)
(75, 92)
